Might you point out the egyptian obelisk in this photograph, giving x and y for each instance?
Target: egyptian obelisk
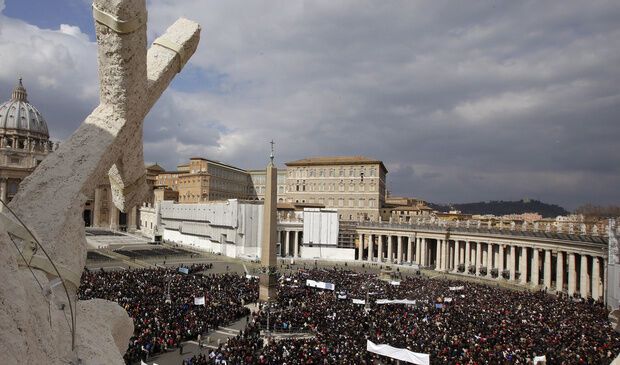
(269, 263)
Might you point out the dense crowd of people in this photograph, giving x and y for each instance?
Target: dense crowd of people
(470, 324)
(161, 303)
(454, 322)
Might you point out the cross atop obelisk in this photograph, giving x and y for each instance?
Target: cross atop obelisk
(271, 156)
(269, 261)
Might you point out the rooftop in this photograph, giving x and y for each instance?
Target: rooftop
(335, 160)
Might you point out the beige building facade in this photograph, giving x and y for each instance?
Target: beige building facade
(353, 185)
(205, 180)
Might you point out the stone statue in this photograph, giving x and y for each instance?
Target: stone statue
(41, 319)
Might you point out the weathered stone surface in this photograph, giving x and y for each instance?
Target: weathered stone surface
(35, 328)
(107, 322)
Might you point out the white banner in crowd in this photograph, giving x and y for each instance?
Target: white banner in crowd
(395, 301)
(359, 301)
(248, 276)
(396, 283)
(199, 301)
(398, 354)
(540, 359)
(184, 270)
(455, 288)
(320, 285)
(447, 300)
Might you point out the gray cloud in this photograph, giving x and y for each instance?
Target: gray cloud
(464, 101)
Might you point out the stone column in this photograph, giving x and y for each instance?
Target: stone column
(424, 247)
(451, 254)
(489, 259)
(296, 243)
(438, 255)
(559, 272)
(2, 193)
(457, 257)
(370, 248)
(132, 217)
(596, 278)
(410, 241)
(547, 272)
(447, 256)
(535, 266)
(380, 249)
(500, 261)
(512, 262)
(287, 235)
(467, 252)
(418, 250)
(113, 216)
(97, 208)
(584, 279)
(523, 266)
(360, 248)
(478, 257)
(390, 252)
(399, 251)
(572, 275)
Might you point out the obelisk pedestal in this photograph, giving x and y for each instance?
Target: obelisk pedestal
(269, 263)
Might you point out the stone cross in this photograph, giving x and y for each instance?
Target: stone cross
(108, 144)
(110, 140)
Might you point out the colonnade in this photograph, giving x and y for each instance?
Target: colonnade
(290, 240)
(573, 272)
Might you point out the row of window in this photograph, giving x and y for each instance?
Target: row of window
(340, 203)
(332, 187)
(333, 172)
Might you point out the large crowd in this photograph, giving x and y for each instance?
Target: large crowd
(161, 303)
(470, 324)
(455, 322)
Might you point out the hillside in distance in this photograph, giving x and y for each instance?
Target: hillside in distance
(504, 207)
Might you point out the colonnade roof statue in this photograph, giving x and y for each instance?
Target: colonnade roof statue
(54, 327)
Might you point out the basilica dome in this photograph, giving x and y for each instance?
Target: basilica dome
(18, 116)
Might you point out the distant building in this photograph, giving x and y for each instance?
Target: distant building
(204, 180)
(523, 217)
(410, 213)
(353, 185)
(24, 141)
(257, 186)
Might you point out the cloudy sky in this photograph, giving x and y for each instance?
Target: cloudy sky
(462, 100)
